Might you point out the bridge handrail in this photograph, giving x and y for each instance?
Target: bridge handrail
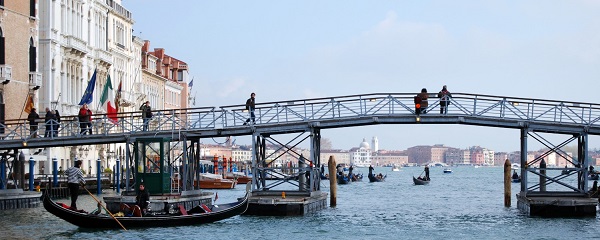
(325, 108)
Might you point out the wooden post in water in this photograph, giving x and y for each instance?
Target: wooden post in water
(542, 176)
(507, 183)
(332, 181)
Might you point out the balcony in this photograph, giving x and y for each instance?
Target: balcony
(76, 45)
(35, 80)
(5, 73)
(104, 56)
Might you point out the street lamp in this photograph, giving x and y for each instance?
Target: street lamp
(83, 152)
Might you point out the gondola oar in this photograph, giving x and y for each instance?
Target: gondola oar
(105, 208)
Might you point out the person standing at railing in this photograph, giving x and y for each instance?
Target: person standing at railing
(49, 119)
(424, 103)
(85, 119)
(444, 96)
(146, 114)
(250, 106)
(56, 123)
(33, 124)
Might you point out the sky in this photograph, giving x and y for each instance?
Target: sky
(284, 50)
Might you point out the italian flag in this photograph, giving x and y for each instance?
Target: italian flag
(108, 101)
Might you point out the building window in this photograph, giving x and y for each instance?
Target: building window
(1, 2)
(2, 51)
(152, 65)
(31, 8)
(120, 35)
(32, 56)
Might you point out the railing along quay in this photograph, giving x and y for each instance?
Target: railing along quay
(340, 111)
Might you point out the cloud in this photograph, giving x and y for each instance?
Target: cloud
(231, 87)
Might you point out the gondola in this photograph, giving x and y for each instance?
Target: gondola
(373, 178)
(343, 179)
(515, 177)
(357, 177)
(193, 216)
(419, 181)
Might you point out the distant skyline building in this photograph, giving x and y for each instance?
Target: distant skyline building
(361, 156)
(375, 143)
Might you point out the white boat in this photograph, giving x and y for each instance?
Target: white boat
(395, 168)
(515, 166)
(447, 170)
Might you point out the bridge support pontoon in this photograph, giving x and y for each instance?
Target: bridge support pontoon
(555, 195)
(285, 182)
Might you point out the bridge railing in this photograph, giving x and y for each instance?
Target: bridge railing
(303, 110)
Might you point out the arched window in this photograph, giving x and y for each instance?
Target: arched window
(2, 49)
(32, 56)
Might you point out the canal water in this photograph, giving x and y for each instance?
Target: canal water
(465, 204)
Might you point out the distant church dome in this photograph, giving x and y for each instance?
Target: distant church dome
(364, 144)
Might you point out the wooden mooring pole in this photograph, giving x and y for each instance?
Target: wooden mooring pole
(332, 181)
(507, 183)
(543, 176)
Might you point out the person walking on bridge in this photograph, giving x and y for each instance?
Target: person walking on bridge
(250, 106)
(146, 114)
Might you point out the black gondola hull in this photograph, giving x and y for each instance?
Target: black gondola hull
(419, 181)
(86, 220)
(373, 178)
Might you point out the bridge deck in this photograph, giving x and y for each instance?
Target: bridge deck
(298, 115)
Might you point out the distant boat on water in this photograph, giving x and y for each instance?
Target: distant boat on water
(447, 170)
(420, 181)
(515, 166)
(395, 168)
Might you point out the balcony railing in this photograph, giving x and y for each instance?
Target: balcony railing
(75, 43)
(5, 72)
(35, 80)
(104, 56)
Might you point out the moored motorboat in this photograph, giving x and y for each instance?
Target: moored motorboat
(420, 181)
(198, 215)
(447, 170)
(240, 177)
(395, 168)
(215, 181)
